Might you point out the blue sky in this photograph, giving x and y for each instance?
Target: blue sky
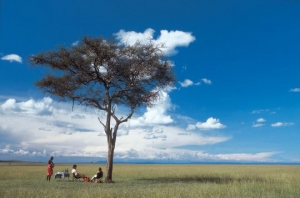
(236, 98)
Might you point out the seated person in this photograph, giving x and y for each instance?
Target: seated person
(75, 174)
(98, 175)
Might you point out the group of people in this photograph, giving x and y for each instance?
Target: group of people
(77, 175)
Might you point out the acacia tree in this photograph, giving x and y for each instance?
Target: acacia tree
(102, 74)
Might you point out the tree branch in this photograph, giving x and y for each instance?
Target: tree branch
(101, 122)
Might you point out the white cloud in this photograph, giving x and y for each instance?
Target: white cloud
(156, 114)
(260, 111)
(259, 123)
(140, 139)
(295, 90)
(189, 155)
(42, 107)
(211, 123)
(171, 39)
(282, 124)
(150, 136)
(206, 81)
(186, 83)
(79, 133)
(75, 43)
(184, 133)
(12, 57)
(49, 135)
(123, 131)
(259, 157)
(260, 120)
(190, 127)
(131, 37)
(77, 116)
(174, 39)
(169, 89)
(256, 125)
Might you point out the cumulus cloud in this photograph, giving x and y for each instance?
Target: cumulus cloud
(186, 83)
(211, 123)
(190, 127)
(131, 37)
(156, 114)
(282, 124)
(206, 81)
(260, 120)
(174, 39)
(259, 123)
(42, 107)
(12, 58)
(171, 39)
(295, 90)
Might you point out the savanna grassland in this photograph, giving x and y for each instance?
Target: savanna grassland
(268, 181)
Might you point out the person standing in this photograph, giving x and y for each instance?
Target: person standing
(50, 168)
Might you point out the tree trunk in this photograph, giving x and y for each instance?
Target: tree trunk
(110, 162)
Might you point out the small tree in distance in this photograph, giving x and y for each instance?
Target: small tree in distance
(102, 74)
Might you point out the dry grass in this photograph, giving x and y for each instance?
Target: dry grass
(29, 180)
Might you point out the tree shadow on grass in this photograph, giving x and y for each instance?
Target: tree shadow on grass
(201, 179)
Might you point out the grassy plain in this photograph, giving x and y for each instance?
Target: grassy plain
(207, 181)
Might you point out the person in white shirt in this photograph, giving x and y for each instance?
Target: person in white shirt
(75, 174)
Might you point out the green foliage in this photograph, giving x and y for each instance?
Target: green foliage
(29, 180)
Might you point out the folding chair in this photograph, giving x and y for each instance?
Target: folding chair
(99, 177)
(75, 178)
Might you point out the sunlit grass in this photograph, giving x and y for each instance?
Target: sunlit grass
(29, 180)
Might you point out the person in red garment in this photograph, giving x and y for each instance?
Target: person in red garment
(50, 168)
